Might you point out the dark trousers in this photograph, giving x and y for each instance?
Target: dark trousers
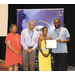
(62, 58)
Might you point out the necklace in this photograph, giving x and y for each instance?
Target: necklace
(45, 38)
(16, 37)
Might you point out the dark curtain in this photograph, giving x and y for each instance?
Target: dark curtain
(2, 47)
(69, 21)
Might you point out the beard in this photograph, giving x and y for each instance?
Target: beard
(57, 26)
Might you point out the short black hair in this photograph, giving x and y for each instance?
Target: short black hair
(57, 19)
(44, 28)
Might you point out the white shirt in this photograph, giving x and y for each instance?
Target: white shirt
(26, 38)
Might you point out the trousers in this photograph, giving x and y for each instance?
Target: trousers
(62, 59)
(28, 58)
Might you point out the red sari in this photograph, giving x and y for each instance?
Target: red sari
(11, 58)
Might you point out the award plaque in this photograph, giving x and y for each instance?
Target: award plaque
(51, 44)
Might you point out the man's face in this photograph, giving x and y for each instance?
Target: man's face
(57, 24)
(31, 25)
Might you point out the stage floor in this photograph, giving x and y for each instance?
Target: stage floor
(4, 68)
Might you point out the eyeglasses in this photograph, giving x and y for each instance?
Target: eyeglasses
(45, 30)
(56, 22)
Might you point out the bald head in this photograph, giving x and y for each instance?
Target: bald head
(31, 25)
(31, 22)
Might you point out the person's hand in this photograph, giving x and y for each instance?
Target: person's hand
(46, 55)
(18, 52)
(58, 40)
(30, 50)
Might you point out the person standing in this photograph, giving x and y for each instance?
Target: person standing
(44, 54)
(13, 54)
(62, 36)
(29, 41)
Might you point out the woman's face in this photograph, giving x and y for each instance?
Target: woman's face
(14, 29)
(45, 31)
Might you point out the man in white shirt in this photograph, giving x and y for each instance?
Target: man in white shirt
(29, 41)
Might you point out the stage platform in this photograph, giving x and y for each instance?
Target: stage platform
(4, 68)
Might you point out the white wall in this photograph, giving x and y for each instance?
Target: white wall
(3, 19)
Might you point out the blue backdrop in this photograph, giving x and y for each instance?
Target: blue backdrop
(41, 18)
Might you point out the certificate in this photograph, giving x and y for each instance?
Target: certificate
(51, 44)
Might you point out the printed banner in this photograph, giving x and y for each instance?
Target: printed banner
(41, 18)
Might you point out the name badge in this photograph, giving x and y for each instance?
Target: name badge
(45, 49)
(32, 42)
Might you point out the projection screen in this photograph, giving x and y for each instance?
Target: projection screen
(3, 19)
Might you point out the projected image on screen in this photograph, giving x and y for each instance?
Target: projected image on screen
(41, 18)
